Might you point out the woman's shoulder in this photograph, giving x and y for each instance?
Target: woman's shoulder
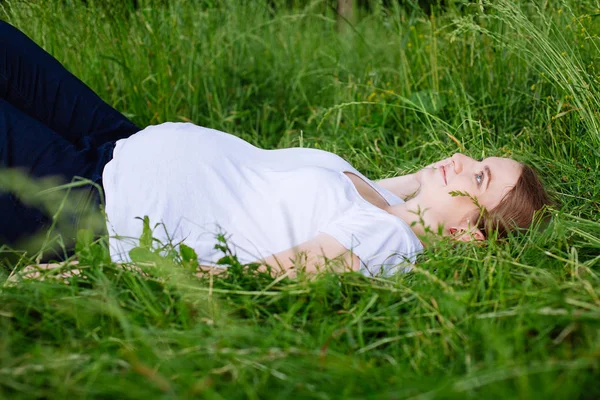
(370, 227)
(383, 243)
(388, 224)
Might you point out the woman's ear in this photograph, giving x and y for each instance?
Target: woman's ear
(466, 233)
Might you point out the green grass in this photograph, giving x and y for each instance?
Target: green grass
(516, 319)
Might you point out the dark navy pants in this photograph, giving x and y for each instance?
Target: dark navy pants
(51, 124)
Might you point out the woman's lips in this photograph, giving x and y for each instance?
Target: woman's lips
(443, 171)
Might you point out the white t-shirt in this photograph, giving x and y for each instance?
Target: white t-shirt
(197, 182)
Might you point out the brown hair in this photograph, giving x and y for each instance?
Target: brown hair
(516, 210)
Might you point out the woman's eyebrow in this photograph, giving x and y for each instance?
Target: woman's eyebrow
(489, 174)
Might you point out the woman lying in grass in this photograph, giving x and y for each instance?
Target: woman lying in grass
(194, 183)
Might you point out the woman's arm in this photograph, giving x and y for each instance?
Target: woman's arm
(312, 254)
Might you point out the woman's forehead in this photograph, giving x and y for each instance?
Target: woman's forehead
(504, 173)
(503, 164)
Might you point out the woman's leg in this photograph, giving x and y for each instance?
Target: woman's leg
(38, 85)
(36, 150)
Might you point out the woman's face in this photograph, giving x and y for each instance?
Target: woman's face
(487, 181)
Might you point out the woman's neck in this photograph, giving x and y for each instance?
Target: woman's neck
(403, 186)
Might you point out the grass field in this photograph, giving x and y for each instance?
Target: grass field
(397, 91)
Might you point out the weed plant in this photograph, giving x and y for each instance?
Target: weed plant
(518, 318)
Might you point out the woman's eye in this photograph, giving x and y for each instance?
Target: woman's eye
(479, 178)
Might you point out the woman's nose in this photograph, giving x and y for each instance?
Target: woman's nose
(457, 162)
(460, 161)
